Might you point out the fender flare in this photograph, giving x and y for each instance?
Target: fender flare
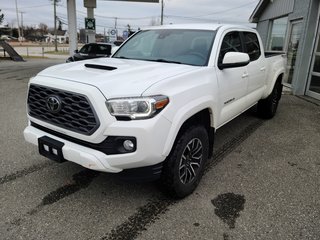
(185, 113)
(271, 84)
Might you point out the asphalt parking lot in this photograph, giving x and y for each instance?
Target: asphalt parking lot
(262, 183)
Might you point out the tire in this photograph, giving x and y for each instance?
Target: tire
(183, 168)
(267, 108)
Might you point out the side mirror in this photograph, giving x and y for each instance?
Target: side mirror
(76, 51)
(234, 59)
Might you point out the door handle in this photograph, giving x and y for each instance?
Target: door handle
(262, 69)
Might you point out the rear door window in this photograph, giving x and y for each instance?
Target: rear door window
(252, 45)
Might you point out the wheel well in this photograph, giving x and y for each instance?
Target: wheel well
(280, 77)
(201, 118)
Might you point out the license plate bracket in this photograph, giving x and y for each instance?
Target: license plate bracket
(51, 149)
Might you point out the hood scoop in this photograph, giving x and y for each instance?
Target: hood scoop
(102, 67)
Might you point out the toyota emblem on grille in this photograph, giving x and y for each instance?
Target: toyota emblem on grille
(54, 104)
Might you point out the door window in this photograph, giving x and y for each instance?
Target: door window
(231, 43)
(252, 45)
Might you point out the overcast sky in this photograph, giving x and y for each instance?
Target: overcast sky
(133, 13)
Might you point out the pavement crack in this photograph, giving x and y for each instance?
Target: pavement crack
(24, 172)
(228, 147)
(138, 222)
(81, 180)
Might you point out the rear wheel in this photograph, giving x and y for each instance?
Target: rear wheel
(267, 107)
(184, 167)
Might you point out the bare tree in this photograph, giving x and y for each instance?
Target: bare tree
(1, 17)
(43, 28)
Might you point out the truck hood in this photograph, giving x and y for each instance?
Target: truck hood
(116, 77)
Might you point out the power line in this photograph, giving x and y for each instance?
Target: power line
(228, 10)
(112, 17)
(36, 6)
(213, 13)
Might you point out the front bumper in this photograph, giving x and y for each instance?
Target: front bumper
(150, 134)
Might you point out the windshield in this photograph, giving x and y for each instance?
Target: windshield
(183, 46)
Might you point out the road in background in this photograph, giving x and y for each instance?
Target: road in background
(262, 183)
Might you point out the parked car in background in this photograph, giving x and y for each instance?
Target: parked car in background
(118, 42)
(91, 50)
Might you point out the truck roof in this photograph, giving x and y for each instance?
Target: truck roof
(198, 26)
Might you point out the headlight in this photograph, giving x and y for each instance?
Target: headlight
(137, 108)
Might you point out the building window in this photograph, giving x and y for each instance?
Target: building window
(278, 34)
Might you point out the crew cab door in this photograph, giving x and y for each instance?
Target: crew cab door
(256, 67)
(232, 82)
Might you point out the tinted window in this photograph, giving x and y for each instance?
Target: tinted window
(252, 45)
(85, 49)
(231, 43)
(104, 49)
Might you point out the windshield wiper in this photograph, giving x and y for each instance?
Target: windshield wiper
(165, 61)
(151, 60)
(122, 57)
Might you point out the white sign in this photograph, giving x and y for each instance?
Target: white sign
(113, 35)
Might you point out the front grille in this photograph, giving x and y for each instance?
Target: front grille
(76, 113)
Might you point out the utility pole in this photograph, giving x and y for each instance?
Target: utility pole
(115, 23)
(162, 6)
(55, 25)
(18, 22)
(22, 23)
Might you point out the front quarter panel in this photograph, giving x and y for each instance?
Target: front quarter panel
(188, 94)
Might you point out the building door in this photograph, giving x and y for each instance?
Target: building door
(293, 45)
(314, 78)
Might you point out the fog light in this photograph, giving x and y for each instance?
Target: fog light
(128, 145)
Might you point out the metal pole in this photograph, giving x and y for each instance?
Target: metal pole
(22, 23)
(115, 23)
(18, 22)
(162, 6)
(72, 26)
(55, 25)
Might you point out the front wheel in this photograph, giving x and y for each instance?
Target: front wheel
(267, 107)
(184, 167)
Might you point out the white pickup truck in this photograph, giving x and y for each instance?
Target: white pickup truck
(151, 110)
